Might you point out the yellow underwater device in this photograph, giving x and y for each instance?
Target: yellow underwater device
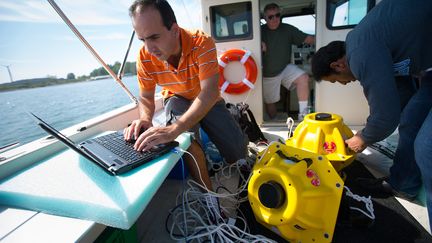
(324, 134)
(295, 189)
(295, 193)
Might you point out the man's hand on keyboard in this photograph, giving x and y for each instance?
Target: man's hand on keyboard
(136, 128)
(155, 136)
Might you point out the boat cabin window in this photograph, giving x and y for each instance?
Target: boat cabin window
(231, 21)
(343, 14)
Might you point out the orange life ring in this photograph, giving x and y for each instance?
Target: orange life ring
(244, 57)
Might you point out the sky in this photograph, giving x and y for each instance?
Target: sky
(36, 43)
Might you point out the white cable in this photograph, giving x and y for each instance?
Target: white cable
(366, 200)
(202, 181)
(210, 148)
(196, 219)
(219, 232)
(198, 168)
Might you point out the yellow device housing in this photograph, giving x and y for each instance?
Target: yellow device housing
(295, 193)
(324, 134)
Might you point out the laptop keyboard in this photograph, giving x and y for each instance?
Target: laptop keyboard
(116, 144)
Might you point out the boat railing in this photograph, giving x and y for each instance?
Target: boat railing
(15, 158)
(20, 157)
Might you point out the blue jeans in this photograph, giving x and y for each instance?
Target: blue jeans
(218, 124)
(415, 145)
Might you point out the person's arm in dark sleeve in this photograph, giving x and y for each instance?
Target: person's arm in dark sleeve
(373, 67)
(297, 36)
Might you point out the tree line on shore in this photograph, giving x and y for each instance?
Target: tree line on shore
(129, 69)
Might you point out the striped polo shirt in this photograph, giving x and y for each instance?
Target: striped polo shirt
(198, 62)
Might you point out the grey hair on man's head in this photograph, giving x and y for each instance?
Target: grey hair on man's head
(271, 6)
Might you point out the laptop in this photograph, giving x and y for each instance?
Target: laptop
(110, 151)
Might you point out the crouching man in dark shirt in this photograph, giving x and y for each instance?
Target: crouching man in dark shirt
(384, 52)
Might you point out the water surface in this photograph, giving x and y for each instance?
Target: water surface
(62, 106)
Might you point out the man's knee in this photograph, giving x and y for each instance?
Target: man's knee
(302, 86)
(302, 80)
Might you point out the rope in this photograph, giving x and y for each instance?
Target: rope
(366, 200)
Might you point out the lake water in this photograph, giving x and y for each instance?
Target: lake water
(62, 106)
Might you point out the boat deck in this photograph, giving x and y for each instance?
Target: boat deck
(150, 226)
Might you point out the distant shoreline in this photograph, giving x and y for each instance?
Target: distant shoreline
(43, 82)
(37, 83)
(96, 74)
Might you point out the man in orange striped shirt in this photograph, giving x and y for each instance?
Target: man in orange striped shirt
(185, 65)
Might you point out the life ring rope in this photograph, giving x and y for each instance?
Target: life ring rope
(248, 83)
(224, 86)
(245, 57)
(245, 81)
(222, 63)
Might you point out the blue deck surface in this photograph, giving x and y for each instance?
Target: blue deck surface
(67, 184)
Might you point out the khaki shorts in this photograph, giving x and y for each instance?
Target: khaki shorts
(271, 86)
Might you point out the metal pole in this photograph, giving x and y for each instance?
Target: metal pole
(90, 48)
(121, 70)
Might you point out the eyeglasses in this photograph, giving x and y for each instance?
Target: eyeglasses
(270, 17)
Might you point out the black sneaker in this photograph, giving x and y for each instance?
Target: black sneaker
(404, 195)
(375, 185)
